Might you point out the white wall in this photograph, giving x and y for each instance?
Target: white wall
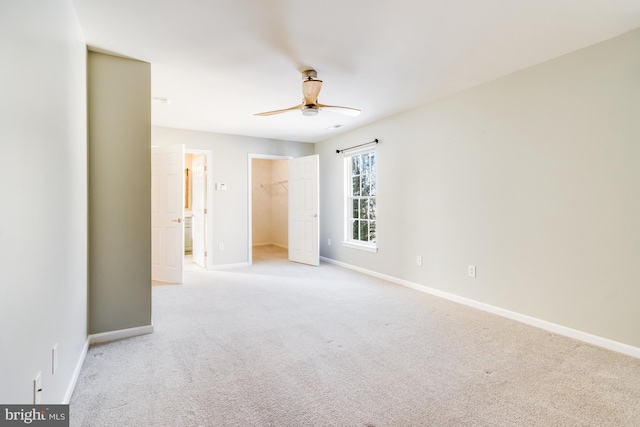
(280, 204)
(261, 201)
(534, 178)
(230, 166)
(43, 179)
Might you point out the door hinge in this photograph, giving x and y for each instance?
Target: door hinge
(205, 211)
(205, 254)
(205, 168)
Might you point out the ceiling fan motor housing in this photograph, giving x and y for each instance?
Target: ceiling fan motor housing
(309, 74)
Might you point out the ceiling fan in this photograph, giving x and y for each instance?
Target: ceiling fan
(310, 106)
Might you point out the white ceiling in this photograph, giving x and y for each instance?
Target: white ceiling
(221, 61)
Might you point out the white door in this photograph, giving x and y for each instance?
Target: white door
(304, 224)
(167, 204)
(199, 208)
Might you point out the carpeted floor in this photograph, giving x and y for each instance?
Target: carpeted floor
(283, 344)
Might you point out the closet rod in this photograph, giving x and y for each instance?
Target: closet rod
(375, 141)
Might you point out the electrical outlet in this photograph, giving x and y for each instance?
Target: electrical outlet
(221, 246)
(471, 270)
(419, 261)
(37, 389)
(54, 359)
(329, 242)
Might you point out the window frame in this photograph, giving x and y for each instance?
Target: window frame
(348, 240)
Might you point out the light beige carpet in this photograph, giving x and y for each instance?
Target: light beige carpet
(282, 344)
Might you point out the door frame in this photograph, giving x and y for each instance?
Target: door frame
(250, 158)
(209, 221)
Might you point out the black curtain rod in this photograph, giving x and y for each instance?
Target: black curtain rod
(375, 141)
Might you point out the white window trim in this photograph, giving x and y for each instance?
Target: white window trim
(346, 242)
(361, 246)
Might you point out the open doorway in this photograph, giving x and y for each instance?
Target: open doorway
(196, 209)
(269, 207)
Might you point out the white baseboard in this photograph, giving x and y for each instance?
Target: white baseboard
(532, 321)
(226, 266)
(269, 244)
(120, 334)
(76, 373)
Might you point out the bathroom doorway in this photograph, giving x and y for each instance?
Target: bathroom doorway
(197, 209)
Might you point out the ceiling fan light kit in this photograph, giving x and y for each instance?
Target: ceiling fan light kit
(310, 107)
(310, 110)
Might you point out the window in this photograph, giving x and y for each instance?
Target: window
(361, 227)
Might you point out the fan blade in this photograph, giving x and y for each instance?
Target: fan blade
(310, 90)
(270, 113)
(353, 112)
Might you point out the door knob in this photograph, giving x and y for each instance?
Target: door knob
(179, 220)
(315, 215)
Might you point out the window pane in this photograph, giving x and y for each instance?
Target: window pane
(372, 176)
(366, 165)
(372, 231)
(354, 233)
(355, 165)
(365, 185)
(363, 209)
(364, 231)
(356, 186)
(372, 208)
